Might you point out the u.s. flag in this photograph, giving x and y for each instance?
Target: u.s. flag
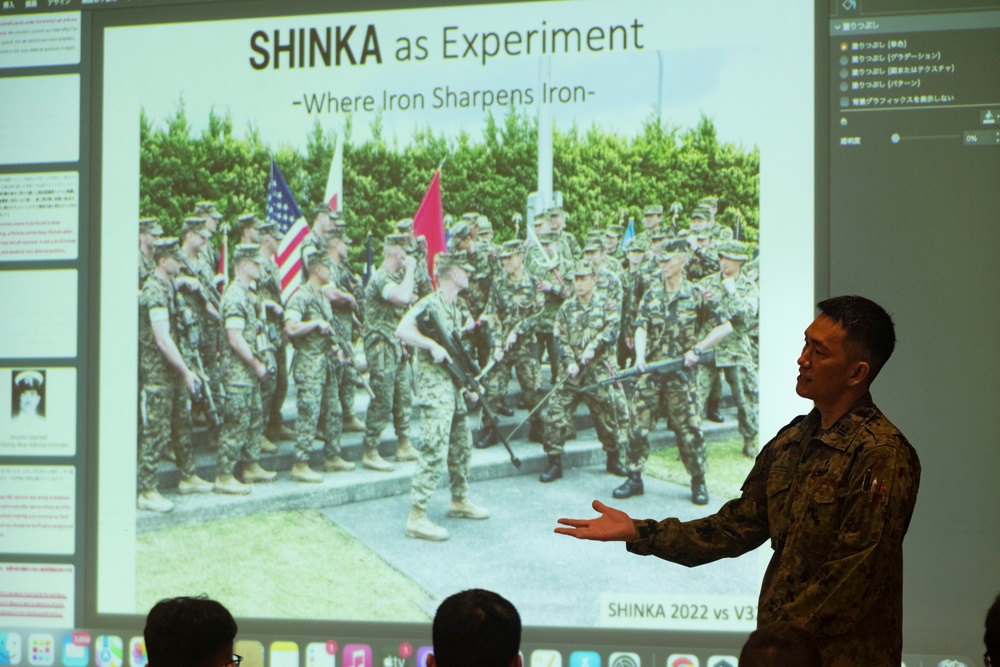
(282, 209)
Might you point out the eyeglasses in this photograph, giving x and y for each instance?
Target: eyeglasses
(986, 660)
(235, 662)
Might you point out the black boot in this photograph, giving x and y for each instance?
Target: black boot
(699, 492)
(631, 487)
(487, 438)
(712, 412)
(536, 432)
(554, 471)
(505, 409)
(615, 466)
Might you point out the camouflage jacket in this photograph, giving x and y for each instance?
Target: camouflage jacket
(311, 242)
(537, 267)
(205, 274)
(158, 298)
(482, 280)
(269, 289)
(609, 285)
(514, 307)
(581, 326)
(569, 242)
(343, 314)
(741, 307)
(702, 263)
(672, 320)
(240, 310)
(381, 315)
(314, 351)
(146, 268)
(835, 506)
(435, 387)
(210, 257)
(422, 284)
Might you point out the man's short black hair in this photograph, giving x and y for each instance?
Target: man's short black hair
(476, 627)
(781, 643)
(187, 631)
(992, 636)
(870, 330)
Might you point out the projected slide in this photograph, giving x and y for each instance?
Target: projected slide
(604, 109)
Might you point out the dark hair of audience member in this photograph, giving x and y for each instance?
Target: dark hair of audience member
(781, 643)
(189, 632)
(476, 628)
(992, 636)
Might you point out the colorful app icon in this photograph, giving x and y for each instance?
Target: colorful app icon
(137, 652)
(108, 651)
(624, 660)
(546, 658)
(422, 654)
(357, 655)
(319, 654)
(584, 659)
(284, 654)
(683, 660)
(10, 648)
(41, 649)
(76, 651)
(722, 661)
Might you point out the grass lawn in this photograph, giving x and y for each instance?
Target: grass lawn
(727, 467)
(262, 562)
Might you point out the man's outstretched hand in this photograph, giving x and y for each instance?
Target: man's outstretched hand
(612, 525)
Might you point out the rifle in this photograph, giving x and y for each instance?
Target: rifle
(463, 369)
(660, 368)
(348, 351)
(189, 340)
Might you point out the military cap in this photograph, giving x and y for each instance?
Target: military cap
(166, 246)
(203, 207)
(249, 251)
(671, 249)
(638, 245)
(584, 268)
(401, 240)
(548, 237)
(595, 234)
(593, 246)
(322, 207)
(150, 226)
(484, 224)
(341, 234)
(614, 231)
(511, 248)
(733, 250)
(314, 257)
(29, 380)
(700, 212)
(556, 210)
(470, 216)
(405, 225)
(460, 231)
(659, 235)
(709, 202)
(269, 228)
(196, 225)
(443, 261)
(653, 209)
(725, 234)
(248, 220)
(541, 219)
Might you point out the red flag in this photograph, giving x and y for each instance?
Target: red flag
(429, 221)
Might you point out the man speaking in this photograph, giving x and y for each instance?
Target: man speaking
(833, 492)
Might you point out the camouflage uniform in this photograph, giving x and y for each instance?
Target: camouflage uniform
(243, 422)
(317, 374)
(835, 505)
(514, 308)
(672, 322)
(274, 388)
(580, 326)
(477, 296)
(391, 376)
(537, 266)
(444, 426)
(343, 322)
(146, 268)
(166, 398)
(197, 303)
(571, 245)
(733, 355)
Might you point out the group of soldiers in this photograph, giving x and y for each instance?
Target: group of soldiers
(586, 310)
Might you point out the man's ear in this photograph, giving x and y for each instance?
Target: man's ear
(859, 374)
(431, 662)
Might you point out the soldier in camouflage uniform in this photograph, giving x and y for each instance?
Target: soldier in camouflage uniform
(244, 367)
(324, 220)
(609, 273)
(557, 224)
(738, 297)
(613, 243)
(671, 314)
(515, 306)
(486, 271)
(652, 221)
(166, 384)
(274, 388)
(387, 296)
(419, 247)
(634, 286)
(833, 492)
(586, 331)
(149, 231)
(317, 368)
(704, 260)
(209, 253)
(550, 270)
(443, 414)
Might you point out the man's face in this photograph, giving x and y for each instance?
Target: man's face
(825, 365)
(635, 258)
(394, 257)
(323, 222)
(171, 265)
(211, 222)
(673, 266)
(195, 240)
(252, 269)
(29, 401)
(466, 245)
(584, 285)
(596, 257)
(652, 221)
(146, 239)
(610, 243)
(556, 223)
(322, 272)
(512, 263)
(461, 277)
(251, 235)
(730, 267)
